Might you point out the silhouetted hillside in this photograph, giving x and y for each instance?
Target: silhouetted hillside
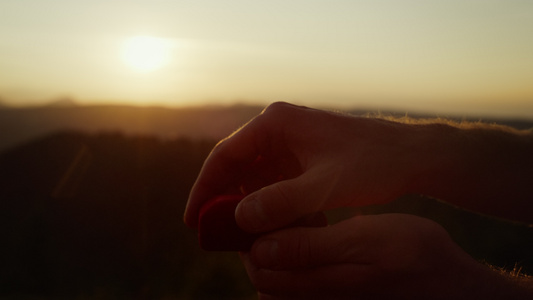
(18, 125)
(101, 215)
(62, 102)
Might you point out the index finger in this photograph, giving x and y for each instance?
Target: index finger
(223, 170)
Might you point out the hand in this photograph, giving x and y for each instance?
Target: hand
(390, 256)
(294, 161)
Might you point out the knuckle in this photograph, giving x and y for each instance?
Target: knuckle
(299, 249)
(276, 106)
(304, 251)
(282, 109)
(282, 191)
(285, 201)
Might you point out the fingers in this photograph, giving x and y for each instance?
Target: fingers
(335, 262)
(325, 282)
(283, 133)
(356, 258)
(391, 241)
(305, 247)
(226, 165)
(229, 163)
(220, 175)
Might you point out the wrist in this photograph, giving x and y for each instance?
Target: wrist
(438, 164)
(479, 167)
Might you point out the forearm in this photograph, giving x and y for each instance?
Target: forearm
(463, 277)
(502, 284)
(479, 167)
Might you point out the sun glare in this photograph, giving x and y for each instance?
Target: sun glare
(146, 53)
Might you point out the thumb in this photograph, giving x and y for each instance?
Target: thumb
(280, 204)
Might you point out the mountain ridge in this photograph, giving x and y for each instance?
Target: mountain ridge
(19, 125)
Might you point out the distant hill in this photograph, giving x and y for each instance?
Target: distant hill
(62, 102)
(20, 125)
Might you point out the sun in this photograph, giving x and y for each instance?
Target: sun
(146, 53)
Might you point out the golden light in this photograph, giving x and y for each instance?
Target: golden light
(146, 53)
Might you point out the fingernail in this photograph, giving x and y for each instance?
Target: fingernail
(252, 213)
(267, 254)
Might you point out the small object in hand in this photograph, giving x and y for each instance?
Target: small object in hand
(218, 229)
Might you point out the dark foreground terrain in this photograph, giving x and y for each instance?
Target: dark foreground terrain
(100, 216)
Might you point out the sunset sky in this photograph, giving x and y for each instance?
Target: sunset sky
(453, 56)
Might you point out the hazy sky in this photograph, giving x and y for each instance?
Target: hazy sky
(474, 56)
